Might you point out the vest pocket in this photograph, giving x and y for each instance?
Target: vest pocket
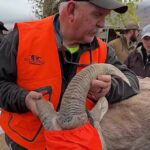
(27, 126)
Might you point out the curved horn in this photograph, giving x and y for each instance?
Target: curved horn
(47, 115)
(99, 110)
(72, 111)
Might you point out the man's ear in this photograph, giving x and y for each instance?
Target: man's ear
(71, 10)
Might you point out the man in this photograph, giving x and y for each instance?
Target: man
(139, 60)
(2, 28)
(126, 42)
(44, 55)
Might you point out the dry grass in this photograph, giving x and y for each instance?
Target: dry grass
(3, 145)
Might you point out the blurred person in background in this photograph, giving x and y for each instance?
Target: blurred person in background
(2, 28)
(126, 43)
(139, 60)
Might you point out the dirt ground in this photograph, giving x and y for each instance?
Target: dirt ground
(3, 145)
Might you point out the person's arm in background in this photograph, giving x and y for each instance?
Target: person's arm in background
(119, 89)
(112, 44)
(127, 61)
(12, 97)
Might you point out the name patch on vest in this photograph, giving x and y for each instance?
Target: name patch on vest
(34, 59)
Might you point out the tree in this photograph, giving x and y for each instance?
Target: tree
(37, 7)
(44, 8)
(119, 20)
(48, 7)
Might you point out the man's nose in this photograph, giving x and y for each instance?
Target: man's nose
(100, 23)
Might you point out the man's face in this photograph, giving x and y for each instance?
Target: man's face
(89, 19)
(134, 35)
(146, 43)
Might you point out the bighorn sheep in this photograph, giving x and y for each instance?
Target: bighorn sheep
(124, 127)
(72, 112)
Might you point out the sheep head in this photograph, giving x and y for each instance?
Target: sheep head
(72, 112)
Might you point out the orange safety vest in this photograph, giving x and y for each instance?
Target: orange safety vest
(98, 56)
(38, 65)
(84, 137)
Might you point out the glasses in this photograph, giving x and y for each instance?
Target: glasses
(75, 63)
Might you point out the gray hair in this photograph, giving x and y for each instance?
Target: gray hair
(62, 5)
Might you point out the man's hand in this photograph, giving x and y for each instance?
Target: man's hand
(100, 87)
(31, 99)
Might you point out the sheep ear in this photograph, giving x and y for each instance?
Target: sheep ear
(99, 109)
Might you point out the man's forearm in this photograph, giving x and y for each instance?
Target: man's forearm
(12, 98)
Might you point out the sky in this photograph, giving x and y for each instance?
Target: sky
(143, 12)
(12, 11)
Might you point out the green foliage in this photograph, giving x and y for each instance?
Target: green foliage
(120, 20)
(37, 7)
(43, 8)
(48, 7)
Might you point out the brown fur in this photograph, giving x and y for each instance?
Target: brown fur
(126, 126)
